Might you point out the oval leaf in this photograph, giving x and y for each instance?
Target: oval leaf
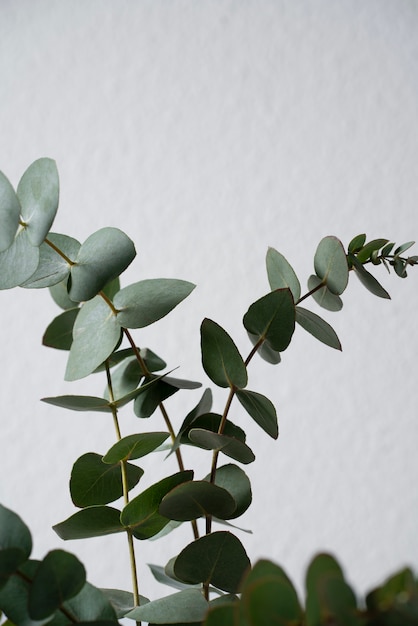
(272, 319)
(323, 296)
(13, 532)
(230, 446)
(195, 499)
(80, 403)
(18, 262)
(220, 357)
(96, 334)
(53, 268)
(134, 447)
(94, 482)
(261, 410)
(219, 559)
(59, 333)
(141, 514)
(101, 258)
(331, 265)
(236, 482)
(187, 606)
(94, 521)
(38, 193)
(281, 274)
(9, 213)
(147, 301)
(317, 327)
(59, 577)
(370, 282)
(366, 251)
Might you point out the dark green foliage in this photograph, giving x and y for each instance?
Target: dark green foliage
(94, 327)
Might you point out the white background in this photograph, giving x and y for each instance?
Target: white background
(208, 131)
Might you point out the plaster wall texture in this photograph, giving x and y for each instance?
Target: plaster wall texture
(208, 131)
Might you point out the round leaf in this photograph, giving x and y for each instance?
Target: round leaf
(9, 213)
(18, 262)
(281, 274)
(323, 296)
(195, 499)
(331, 265)
(13, 532)
(236, 482)
(272, 319)
(38, 193)
(147, 301)
(94, 482)
(59, 577)
(59, 333)
(101, 258)
(220, 357)
(96, 334)
(219, 559)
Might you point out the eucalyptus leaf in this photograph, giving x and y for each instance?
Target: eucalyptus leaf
(265, 351)
(365, 253)
(211, 422)
(96, 334)
(147, 301)
(93, 521)
(80, 403)
(330, 264)
(194, 499)
(230, 446)
(59, 577)
(14, 597)
(59, 333)
(18, 262)
(38, 193)
(148, 401)
(218, 558)
(9, 213)
(94, 482)
(122, 601)
(323, 296)
(53, 268)
(161, 576)
(141, 513)
(281, 274)
(356, 243)
(14, 533)
(236, 482)
(261, 409)
(101, 258)
(134, 446)
(59, 294)
(186, 606)
(203, 406)
(272, 319)
(370, 282)
(220, 357)
(317, 327)
(10, 560)
(90, 606)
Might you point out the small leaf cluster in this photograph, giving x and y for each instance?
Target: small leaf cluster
(212, 575)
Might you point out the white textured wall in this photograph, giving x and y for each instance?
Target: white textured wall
(208, 130)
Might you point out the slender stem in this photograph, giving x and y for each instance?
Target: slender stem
(125, 489)
(164, 413)
(60, 252)
(317, 288)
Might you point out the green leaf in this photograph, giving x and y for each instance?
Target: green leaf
(146, 403)
(281, 274)
(9, 213)
(134, 447)
(101, 258)
(218, 558)
(10, 560)
(317, 327)
(356, 243)
(398, 594)
(94, 521)
(230, 446)
(330, 264)
(323, 296)
(38, 193)
(220, 357)
(261, 409)
(60, 296)
(387, 249)
(59, 333)
(268, 597)
(272, 319)
(194, 499)
(236, 482)
(369, 281)
(18, 262)
(404, 247)
(96, 334)
(152, 361)
(161, 576)
(147, 301)
(14, 596)
(265, 351)
(90, 606)
(141, 514)
(224, 615)
(204, 405)
(122, 601)
(80, 403)
(365, 253)
(14, 533)
(212, 421)
(59, 577)
(53, 268)
(95, 482)
(188, 606)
